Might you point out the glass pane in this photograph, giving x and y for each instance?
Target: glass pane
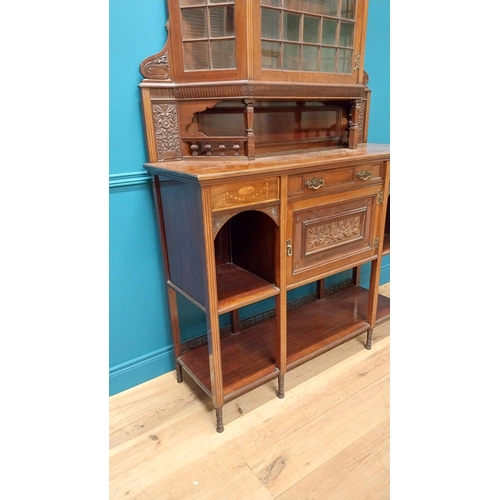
(194, 23)
(192, 2)
(346, 34)
(291, 56)
(195, 55)
(271, 24)
(311, 29)
(310, 58)
(348, 9)
(270, 55)
(291, 26)
(272, 3)
(329, 32)
(327, 64)
(219, 1)
(344, 61)
(222, 52)
(325, 7)
(222, 21)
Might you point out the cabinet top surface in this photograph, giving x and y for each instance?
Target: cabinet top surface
(201, 170)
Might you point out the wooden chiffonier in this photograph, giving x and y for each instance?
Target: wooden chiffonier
(256, 117)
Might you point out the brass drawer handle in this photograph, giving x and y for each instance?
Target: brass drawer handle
(315, 183)
(364, 174)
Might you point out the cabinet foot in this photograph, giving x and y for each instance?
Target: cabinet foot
(368, 344)
(218, 415)
(178, 369)
(281, 386)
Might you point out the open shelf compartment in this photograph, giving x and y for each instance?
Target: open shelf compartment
(237, 287)
(248, 358)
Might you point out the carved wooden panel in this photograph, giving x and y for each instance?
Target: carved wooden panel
(321, 236)
(166, 127)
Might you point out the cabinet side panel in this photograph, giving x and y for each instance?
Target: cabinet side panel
(183, 219)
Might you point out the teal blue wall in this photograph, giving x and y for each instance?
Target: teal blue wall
(140, 343)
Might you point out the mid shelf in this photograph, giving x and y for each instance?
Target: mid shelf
(237, 287)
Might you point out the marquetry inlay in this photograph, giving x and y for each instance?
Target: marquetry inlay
(246, 194)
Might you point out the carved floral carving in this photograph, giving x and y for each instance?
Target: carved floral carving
(166, 131)
(332, 233)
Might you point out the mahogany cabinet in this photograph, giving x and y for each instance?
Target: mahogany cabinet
(256, 115)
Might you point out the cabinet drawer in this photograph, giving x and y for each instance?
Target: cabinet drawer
(244, 193)
(338, 232)
(321, 182)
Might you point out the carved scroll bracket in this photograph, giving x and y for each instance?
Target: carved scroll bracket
(157, 67)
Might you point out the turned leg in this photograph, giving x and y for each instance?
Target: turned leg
(178, 369)
(368, 344)
(281, 386)
(218, 415)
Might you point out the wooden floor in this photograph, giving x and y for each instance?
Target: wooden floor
(327, 439)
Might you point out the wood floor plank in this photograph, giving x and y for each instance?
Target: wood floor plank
(195, 479)
(359, 471)
(288, 461)
(148, 406)
(163, 442)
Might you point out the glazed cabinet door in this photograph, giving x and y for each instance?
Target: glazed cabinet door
(332, 233)
(311, 40)
(208, 39)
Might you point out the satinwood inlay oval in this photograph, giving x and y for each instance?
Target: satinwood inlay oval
(246, 190)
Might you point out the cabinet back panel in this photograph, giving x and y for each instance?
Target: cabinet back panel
(253, 243)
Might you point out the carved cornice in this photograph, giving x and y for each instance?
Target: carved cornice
(254, 90)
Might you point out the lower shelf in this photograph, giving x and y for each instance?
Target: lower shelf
(248, 358)
(323, 324)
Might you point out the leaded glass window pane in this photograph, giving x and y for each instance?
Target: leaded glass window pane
(322, 32)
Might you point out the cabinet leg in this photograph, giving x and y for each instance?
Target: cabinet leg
(281, 386)
(218, 415)
(368, 344)
(178, 369)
